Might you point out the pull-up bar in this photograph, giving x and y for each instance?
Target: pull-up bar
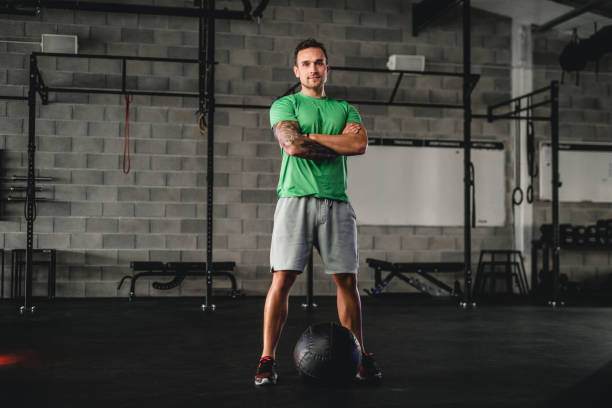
(509, 115)
(14, 98)
(124, 58)
(115, 57)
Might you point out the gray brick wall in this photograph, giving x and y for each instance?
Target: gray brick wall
(103, 219)
(585, 117)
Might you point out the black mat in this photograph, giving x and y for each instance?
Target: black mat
(166, 352)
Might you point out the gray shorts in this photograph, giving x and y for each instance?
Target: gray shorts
(303, 222)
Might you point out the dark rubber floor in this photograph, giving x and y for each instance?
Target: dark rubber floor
(168, 353)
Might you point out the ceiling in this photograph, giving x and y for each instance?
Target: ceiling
(538, 12)
(604, 8)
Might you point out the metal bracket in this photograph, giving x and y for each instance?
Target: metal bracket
(397, 83)
(474, 81)
(39, 83)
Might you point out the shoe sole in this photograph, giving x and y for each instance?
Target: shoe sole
(368, 380)
(266, 381)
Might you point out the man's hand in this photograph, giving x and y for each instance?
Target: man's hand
(351, 142)
(351, 127)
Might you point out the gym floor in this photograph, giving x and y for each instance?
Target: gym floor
(166, 352)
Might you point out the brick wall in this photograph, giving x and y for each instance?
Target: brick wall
(102, 219)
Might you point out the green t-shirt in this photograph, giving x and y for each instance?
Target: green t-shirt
(305, 177)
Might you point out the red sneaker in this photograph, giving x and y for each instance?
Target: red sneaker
(266, 371)
(368, 370)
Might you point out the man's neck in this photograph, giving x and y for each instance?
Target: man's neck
(314, 93)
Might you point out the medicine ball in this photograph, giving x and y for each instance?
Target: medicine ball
(327, 352)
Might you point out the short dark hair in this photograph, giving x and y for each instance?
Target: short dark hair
(309, 43)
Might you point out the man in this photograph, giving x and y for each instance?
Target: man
(316, 134)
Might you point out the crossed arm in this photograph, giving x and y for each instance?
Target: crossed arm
(315, 146)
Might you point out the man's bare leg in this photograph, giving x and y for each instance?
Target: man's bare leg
(349, 304)
(276, 309)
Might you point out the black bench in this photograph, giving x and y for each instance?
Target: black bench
(420, 269)
(179, 270)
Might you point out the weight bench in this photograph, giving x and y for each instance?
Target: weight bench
(179, 270)
(421, 270)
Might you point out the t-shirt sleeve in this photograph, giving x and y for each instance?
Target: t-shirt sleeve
(353, 115)
(282, 109)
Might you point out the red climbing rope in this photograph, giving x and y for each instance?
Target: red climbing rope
(129, 98)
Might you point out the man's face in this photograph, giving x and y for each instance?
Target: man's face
(311, 68)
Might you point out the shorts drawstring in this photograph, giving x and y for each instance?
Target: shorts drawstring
(323, 207)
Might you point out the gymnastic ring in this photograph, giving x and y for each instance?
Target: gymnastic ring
(530, 194)
(515, 200)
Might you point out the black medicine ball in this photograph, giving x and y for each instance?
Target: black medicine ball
(327, 352)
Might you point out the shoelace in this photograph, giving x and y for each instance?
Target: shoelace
(372, 362)
(265, 359)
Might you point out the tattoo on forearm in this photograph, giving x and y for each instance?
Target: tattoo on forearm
(290, 136)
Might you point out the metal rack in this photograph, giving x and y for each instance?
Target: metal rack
(208, 105)
(513, 111)
(206, 13)
(423, 14)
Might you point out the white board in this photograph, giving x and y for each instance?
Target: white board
(422, 185)
(585, 172)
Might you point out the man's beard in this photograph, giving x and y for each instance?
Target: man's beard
(314, 87)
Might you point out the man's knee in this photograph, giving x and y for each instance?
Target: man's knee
(345, 280)
(284, 280)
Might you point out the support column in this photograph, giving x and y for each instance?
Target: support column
(30, 203)
(207, 74)
(554, 126)
(467, 140)
(522, 84)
